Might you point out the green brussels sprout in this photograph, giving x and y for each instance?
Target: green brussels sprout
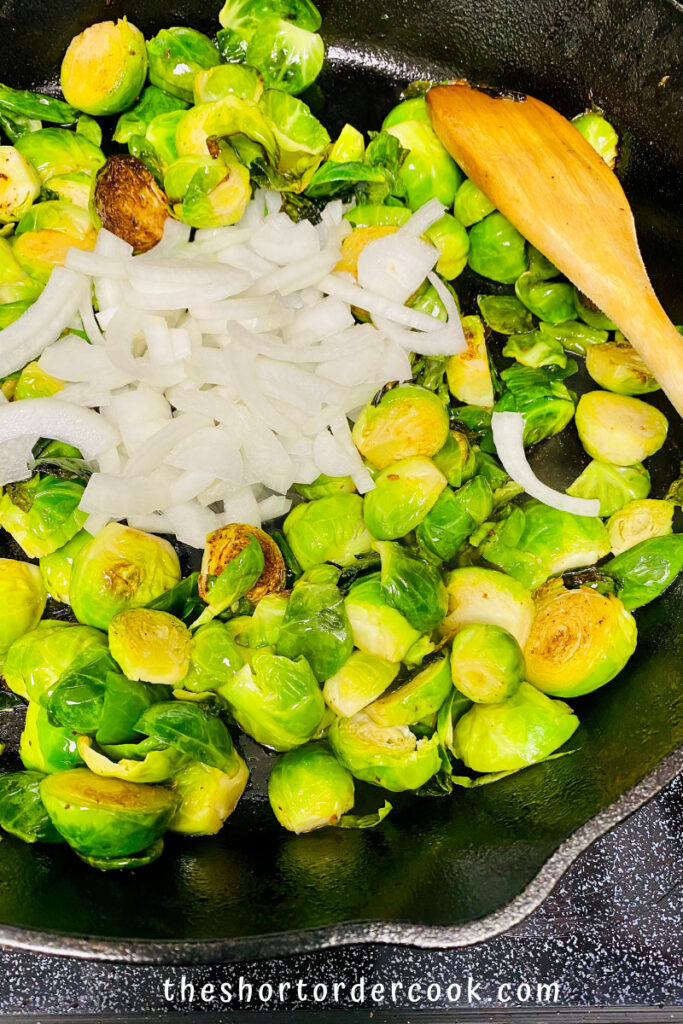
(24, 601)
(535, 349)
(154, 763)
(415, 700)
(505, 314)
(497, 250)
(639, 520)
(19, 185)
(428, 171)
(468, 373)
(216, 82)
(323, 486)
(523, 730)
(21, 810)
(105, 67)
(378, 628)
(262, 628)
(214, 657)
(447, 526)
(301, 138)
(149, 645)
(161, 134)
(208, 797)
(414, 109)
(57, 215)
(373, 215)
(33, 382)
(44, 747)
(644, 571)
(470, 204)
(600, 133)
(348, 147)
(15, 127)
(191, 730)
(42, 249)
(102, 817)
(487, 664)
(617, 367)
(361, 679)
(579, 640)
(212, 191)
(290, 58)
(276, 701)
(452, 241)
(55, 568)
(573, 336)
(551, 301)
(13, 310)
(120, 568)
(412, 586)
(15, 283)
(407, 420)
(308, 789)
(618, 428)
(175, 57)
(37, 659)
(612, 485)
(316, 626)
(540, 397)
(388, 756)
(89, 128)
(404, 493)
(152, 102)
(456, 460)
(56, 151)
(42, 514)
(129, 862)
(489, 597)
(328, 530)
(590, 314)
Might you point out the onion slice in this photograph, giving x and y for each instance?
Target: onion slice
(508, 437)
(61, 421)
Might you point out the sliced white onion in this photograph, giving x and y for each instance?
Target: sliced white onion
(377, 305)
(58, 420)
(508, 437)
(423, 219)
(395, 267)
(120, 497)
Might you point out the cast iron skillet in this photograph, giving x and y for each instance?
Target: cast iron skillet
(446, 872)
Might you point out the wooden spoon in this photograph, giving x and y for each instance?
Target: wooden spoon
(560, 194)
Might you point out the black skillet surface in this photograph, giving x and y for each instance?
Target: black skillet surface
(443, 872)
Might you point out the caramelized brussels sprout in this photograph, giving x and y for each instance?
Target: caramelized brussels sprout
(404, 493)
(619, 429)
(638, 521)
(497, 250)
(490, 597)
(415, 700)
(361, 679)
(388, 756)
(308, 789)
(407, 420)
(129, 202)
(23, 597)
(19, 185)
(468, 372)
(175, 56)
(487, 664)
(208, 797)
(378, 628)
(223, 547)
(613, 486)
(105, 67)
(149, 645)
(616, 366)
(328, 530)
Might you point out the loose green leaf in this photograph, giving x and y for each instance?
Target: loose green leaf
(187, 727)
(365, 820)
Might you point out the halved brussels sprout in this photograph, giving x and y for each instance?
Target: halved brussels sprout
(378, 628)
(56, 151)
(120, 568)
(541, 397)
(316, 626)
(590, 314)
(328, 530)
(600, 133)
(21, 810)
(456, 460)
(37, 659)
(407, 420)
(55, 568)
(470, 204)
(535, 349)
(497, 250)
(106, 817)
(452, 241)
(523, 730)
(490, 597)
(415, 700)
(361, 679)
(129, 202)
(403, 494)
(579, 640)
(214, 657)
(468, 373)
(105, 67)
(308, 789)
(155, 764)
(644, 571)
(175, 57)
(239, 561)
(388, 756)
(276, 701)
(348, 147)
(413, 586)
(616, 366)
(324, 486)
(301, 138)
(16, 288)
(216, 82)
(487, 664)
(152, 102)
(150, 645)
(39, 252)
(57, 215)
(211, 191)
(44, 747)
(23, 597)
(19, 185)
(42, 514)
(414, 109)
(428, 171)
(638, 521)
(34, 382)
(227, 118)
(207, 797)
(614, 486)
(618, 428)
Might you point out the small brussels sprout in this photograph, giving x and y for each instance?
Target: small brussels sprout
(34, 382)
(129, 202)
(244, 17)
(414, 109)
(214, 657)
(489, 597)
(573, 336)
(276, 701)
(487, 664)
(428, 171)
(361, 679)
(323, 486)
(590, 314)
(19, 185)
(161, 134)
(600, 133)
(452, 241)
(37, 659)
(407, 420)
(290, 58)
(638, 521)
(328, 530)
(468, 373)
(44, 747)
(417, 699)
(229, 118)
(175, 57)
(470, 204)
(618, 428)
(497, 250)
(579, 640)
(57, 215)
(378, 628)
(551, 301)
(404, 493)
(301, 138)
(618, 367)
(456, 459)
(348, 147)
(55, 568)
(216, 82)
(21, 810)
(102, 817)
(120, 568)
(308, 789)
(23, 597)
(56, 151)
(413, 586)
(104, 68)
(540, 397)
(153, 764)
(505, 314)
(239, 561)
(523, 730)
(42, 514)
(149, 645)
(644, 571)
(535, 349)
(207, 797)
(316, 627)
(388, 756)
(613, 486)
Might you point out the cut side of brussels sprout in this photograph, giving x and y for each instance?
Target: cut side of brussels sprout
(487, 664)
(129, 202)
(361, 680)
(207, 797)
(404, 493)
(56, 151)
(415, 700)
(618, 428)
(328, 530)
(217, 82)
(39, 252)
(378, 628)
(223, 546)
(155, 766)
(490, 597)
(309, 789)
(23, 598)
(468, 373)
(388, 756)
(616, 366)
(150, 645)
(408, 420)
(638, 521)
(33, 382)
(289, 58)
(19, 185)
(175, 56)
(105, 67)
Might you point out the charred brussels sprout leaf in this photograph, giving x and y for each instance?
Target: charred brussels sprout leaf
(191, 730)
(316, 626)
(21, 810)
(308, 789)
(175, 56)
(413, 586)
(129, 202)
(105, 67)
(645, 571)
